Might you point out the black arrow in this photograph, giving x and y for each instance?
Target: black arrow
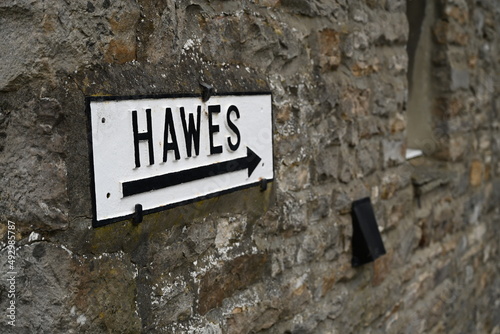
(249, 162)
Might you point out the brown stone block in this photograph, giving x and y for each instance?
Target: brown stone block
(355, 103)
(398, 124)
(49, 23)
(106, 292)
(440, 107)
(382, 268)
(123, 47)
(120, 52)
(450, 33)
(345, 271)
(328, 283)
(461, 15)
(455, 106)
(472, 61)
(389, 185)
(329, 49)
(361, 69)
(125, 22)
(476, 173)
(447, 107)
(221, 283)
(244, 319)
(457, 35)
(269, 3)
(440, 31)
(283, 113)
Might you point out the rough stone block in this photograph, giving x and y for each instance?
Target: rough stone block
(329, 48)
(460, 78)
(398, 123)
(221, 283)
(106, 294)
(382, 268)
(354, 103)
(459, 14)
(393, 152)
(453, 149)
(120, 52)
(310, 8)
(35, 179)
(476, 173)
(368, 160)
(395, 5)
(328, 165)
(450, 33)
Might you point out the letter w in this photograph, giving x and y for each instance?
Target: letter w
(191, 133)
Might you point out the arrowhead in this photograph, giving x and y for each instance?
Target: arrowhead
(252, 160)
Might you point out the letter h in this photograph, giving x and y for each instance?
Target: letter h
(148, 135)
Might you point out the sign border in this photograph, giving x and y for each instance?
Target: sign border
(100, 98)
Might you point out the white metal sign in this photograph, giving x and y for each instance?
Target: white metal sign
(163, 151)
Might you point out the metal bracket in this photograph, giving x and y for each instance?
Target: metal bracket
(263, 184)
(137, 218)
(367, 244)
(207, 91)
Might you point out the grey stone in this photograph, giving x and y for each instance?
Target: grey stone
(460, 79)
(392, 152)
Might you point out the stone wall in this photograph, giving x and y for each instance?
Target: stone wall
(273, 261)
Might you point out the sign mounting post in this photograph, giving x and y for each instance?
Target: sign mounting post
(164, 151)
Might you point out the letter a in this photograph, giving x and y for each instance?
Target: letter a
(169, 127)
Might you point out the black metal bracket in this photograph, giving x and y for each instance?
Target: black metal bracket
(207, 91)
(137, 219)
(263, 184)
(367, 244)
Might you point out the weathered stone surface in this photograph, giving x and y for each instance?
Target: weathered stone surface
(273, 261)
(329, 45)
(100, 281)
(393, 152)
(33, 167)
(219, 284)
(43, 288)
(459, 78)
